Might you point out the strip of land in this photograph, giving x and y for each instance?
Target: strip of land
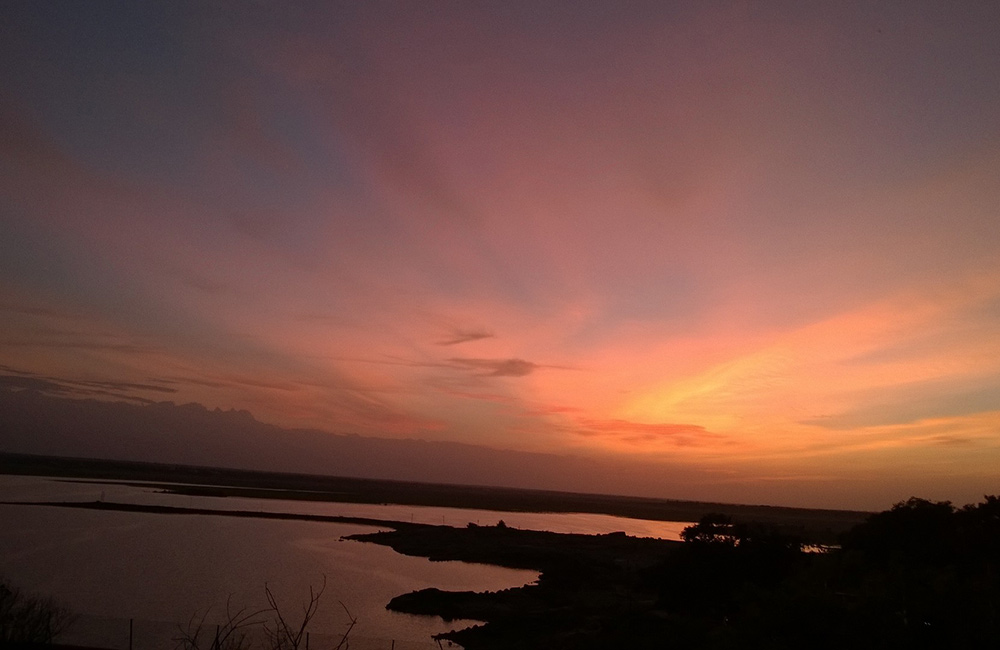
(247, 514)
(813, 525)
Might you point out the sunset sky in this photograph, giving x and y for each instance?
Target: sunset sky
(755, 243)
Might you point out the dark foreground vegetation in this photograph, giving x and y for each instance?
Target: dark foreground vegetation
(26, 619)
(921, 575)
(28, 622)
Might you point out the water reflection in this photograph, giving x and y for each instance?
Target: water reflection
(34, 489)
(152, 567)
(166, 568)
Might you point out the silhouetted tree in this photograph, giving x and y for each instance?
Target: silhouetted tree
(913, 530)
(923, 573)
(713, 528)
(26, 619)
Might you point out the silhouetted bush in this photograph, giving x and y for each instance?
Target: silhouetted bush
(280, 632)
(922, 574)
(26, 619)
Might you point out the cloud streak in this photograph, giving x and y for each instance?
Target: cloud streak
(20, 380)
(497, 367)
(642, 434)
(465, 336)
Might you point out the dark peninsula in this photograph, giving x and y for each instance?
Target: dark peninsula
(921, 575)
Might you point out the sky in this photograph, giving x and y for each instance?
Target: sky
(754, 244)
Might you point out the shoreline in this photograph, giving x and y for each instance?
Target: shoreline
(580, 576)
(244, 514)
(818, 526)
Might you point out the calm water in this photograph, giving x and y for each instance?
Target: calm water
(35, 489)
(169, 567)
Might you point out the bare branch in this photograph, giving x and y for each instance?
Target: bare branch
(350, 626)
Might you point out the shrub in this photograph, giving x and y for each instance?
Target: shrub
(26, 619)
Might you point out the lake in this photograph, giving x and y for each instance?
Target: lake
(162, 569)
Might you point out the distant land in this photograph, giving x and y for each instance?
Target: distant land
(815, 525)
(43, 422)
(39, 423)
(189, 443)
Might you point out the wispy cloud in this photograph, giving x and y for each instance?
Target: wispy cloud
(22, 380)
(638, 433)
(951, 441)
(498, 367)
(465, 336)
